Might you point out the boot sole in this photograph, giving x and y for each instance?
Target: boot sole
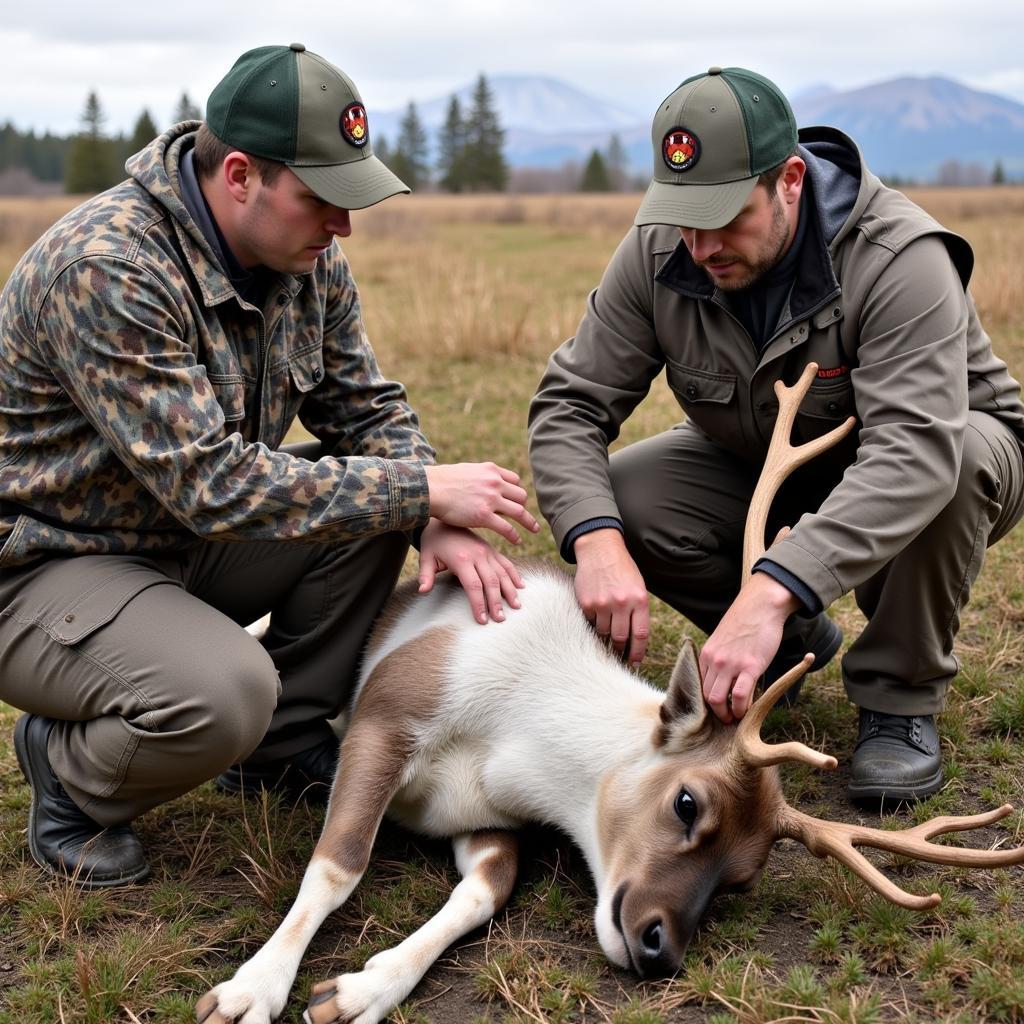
(907, 793)
(81, 881)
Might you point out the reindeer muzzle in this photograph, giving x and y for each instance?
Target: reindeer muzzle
(656, 933)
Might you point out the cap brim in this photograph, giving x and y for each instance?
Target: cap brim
(694, 206)
(353, 185)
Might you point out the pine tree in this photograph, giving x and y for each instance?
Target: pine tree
(486, 169)
(144, 132)
(186, 110)
(452, 145)
(595, 175)
(381, 149)
(618, 164)
(998, 174)
(409, 157)
(92, 160)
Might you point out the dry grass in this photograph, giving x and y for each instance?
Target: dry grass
(464, 299)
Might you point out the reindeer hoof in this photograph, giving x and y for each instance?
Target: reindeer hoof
(362, 998)
(232, 1000)
(205, 1007)
(322, 1008)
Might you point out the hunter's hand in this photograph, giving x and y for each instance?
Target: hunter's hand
(479, 494)
(740, 649)
(611, 592)
(486, 575)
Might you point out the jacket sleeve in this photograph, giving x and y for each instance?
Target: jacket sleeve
(115, 339)
(357, 411)
(591, 385)
(910, 390)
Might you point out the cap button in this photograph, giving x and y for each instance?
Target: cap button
(297, 47)
(715, 70)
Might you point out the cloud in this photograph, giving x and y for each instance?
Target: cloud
(633, 54)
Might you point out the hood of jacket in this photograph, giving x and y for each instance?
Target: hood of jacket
(156, 169)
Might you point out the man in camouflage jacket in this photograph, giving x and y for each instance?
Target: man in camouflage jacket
(155, 347)
(791, 252)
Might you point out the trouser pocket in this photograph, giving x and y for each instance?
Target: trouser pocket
(105, 595)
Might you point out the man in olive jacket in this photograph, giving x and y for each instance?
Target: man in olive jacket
(155, 347)
(756, 251)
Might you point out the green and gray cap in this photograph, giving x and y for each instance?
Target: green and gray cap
(712, 137)
(286, 104)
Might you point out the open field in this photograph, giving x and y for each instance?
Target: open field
(464, 299)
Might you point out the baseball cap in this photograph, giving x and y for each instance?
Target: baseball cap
(713, 136)
(286, 104)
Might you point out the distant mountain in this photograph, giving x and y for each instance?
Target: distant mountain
(905, 126)
(910, 126)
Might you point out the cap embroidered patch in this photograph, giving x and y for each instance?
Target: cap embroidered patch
(680, 149)
(353, 124)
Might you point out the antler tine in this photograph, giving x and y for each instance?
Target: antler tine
(839, 841)
(758, 754)
(783, 457)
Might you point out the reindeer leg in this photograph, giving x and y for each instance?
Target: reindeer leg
(373, 755)
(487, 862)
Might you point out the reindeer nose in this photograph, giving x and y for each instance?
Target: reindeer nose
(655, 956)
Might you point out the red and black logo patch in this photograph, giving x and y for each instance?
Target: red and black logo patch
(831, 372)
(680, 149)
(354, 125)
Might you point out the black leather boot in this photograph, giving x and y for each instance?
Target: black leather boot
(63, 839)
(307, 775)
(897, 757)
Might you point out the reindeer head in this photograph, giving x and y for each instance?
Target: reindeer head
(700, 815)
(692, 820)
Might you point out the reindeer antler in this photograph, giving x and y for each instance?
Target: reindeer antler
(839, 840)
(782, 458)
(758, 754)
(831, 838)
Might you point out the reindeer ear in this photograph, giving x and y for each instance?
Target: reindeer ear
(683, 710)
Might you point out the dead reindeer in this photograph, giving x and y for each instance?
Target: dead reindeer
(468, 731)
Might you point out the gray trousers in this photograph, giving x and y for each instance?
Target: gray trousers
(155, 683)
(684, 502)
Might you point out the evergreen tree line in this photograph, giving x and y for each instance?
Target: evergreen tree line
(470, 155)
(89, 161)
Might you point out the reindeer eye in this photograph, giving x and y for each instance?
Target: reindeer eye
(686, 808)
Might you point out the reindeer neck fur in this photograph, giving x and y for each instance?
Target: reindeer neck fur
(534, 708)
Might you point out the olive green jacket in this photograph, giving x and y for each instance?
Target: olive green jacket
(879, 303)
(142, 400)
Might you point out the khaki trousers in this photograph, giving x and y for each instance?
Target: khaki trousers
(155, 683)
(684, 502)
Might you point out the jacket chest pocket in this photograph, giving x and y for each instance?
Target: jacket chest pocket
(710, 402)
(292, 380)
(825, 406)
(307, 369)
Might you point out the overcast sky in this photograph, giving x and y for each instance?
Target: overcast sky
(633, 53)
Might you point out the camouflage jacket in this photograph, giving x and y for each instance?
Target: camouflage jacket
(142, 401)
